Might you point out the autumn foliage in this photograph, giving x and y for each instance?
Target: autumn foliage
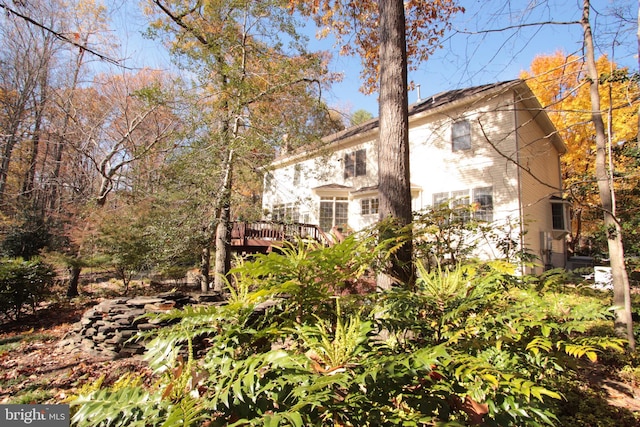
(355, 25)
(559, 82)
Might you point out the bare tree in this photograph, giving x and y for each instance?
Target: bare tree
(25, 62)
(621, 289)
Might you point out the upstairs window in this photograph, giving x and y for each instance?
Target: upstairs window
(355, 163)
(297, 171)
(461, 135)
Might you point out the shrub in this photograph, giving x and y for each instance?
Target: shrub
(23, 283)
(465, 345)
(27, 237)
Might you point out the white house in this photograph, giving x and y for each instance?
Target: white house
(491, 146)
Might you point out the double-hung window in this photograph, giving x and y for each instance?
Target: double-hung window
(461, 135)
(559, 215)
(369, 206)
(297, 171)
(355, 163)
(476, 202)
(285, 213)
(483, 204)
(460, 205)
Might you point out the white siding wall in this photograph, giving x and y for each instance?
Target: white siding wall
(437, 168)
(501, 135)
(540, 179)
(321, 170)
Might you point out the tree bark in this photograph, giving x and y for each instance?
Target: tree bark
(393, 142)
(74, 279)
(223, 230)
(621, 289)
(205, 267)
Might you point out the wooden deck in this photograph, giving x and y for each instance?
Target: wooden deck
(261, 236)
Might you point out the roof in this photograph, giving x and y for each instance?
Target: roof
(430, 103)
(448, 99)
(332, 187)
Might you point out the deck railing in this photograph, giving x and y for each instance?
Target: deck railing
(257, 233)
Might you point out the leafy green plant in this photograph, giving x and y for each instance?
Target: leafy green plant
(23, 283)
(466, 344)
(307, 273)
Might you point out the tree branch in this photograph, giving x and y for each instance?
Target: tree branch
(62, 37)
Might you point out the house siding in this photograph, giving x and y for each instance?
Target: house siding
(503, 134)
(540, 180)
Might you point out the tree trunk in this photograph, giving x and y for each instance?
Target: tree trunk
(205, 267)
(621, 289)
(4, 165)
(223, 230)
(74, 279)
(62, 136)
(393, 142)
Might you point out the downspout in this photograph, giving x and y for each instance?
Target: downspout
(519, 176)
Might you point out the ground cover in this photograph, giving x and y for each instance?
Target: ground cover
(36, 368)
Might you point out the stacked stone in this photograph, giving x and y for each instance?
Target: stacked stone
(106, 329)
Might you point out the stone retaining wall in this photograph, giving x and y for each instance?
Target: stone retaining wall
(105, 329)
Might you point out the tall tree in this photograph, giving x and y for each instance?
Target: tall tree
(126, 119)
(393, 140)
(246, 72)
(26, 59)
(391, 37)
(558, 81)
(604, 176)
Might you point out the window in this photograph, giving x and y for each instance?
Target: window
(277, 213)
(440, 199)
(459, 203)
(334, 211)
(355, 163)
(369, 206)
(268, 180)
(559, 215)
(461, 135)
(297, 170)
(483, 204)
(285, 213)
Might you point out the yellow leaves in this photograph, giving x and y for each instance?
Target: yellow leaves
(558, 81)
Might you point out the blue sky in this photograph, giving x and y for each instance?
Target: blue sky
(468, 56)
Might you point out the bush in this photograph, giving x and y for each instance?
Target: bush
(27, 238)
(465, 345)
(23, 283)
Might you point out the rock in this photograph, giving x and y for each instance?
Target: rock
(106, 330)
(142, 301)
